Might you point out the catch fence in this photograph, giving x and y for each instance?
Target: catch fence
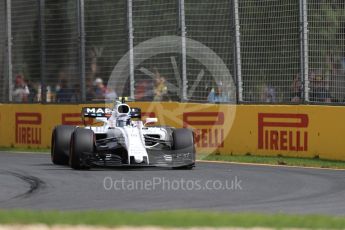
(225, 51)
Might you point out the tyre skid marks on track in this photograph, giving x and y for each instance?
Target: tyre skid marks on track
(35, 183)
(296, 190)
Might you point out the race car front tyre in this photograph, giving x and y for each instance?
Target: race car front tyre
(183, 142)
(82, 144)
(60, 144)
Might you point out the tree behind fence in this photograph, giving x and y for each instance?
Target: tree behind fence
(275, 65)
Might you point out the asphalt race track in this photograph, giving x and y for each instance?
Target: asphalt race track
(31, 181)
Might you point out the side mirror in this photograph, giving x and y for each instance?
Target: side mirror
(151, 120)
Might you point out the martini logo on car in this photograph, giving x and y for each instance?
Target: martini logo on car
(207, 126)
(97, 112)
(285, 132)
(28, 128)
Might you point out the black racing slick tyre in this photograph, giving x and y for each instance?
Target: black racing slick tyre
(82, 145)
(60, 142)
(183, 142)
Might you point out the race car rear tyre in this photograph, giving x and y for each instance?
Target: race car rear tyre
(82, 143)
(183, 142)
(60, 144)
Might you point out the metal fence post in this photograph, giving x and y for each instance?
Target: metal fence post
(183, 49)
(238, 63)
(9, 48)
(130, 46)
(42, 51)
(304, 48)
(81, 30)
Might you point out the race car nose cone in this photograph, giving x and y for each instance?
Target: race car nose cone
(138, 159)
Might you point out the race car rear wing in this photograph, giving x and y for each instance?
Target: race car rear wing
(95, 112)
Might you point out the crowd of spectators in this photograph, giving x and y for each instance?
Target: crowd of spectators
(63, 92)
(156, 89)
(152, 88)
(276, 92)
(318, 89)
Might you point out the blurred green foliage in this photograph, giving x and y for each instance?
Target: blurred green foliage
(270, 37)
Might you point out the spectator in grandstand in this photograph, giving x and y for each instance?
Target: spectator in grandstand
(76, 93)
(141, 90)
(268, 94)
(217, 94)
(33, 86)
(20, 92)
(64, 93)
(319, 91)
(110, 95)
(296, 89)
(99, 89)
(90, 94)
(160, 89)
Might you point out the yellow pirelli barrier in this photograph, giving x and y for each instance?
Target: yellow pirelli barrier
(302, 131)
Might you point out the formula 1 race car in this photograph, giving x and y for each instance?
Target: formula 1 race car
(121, 139)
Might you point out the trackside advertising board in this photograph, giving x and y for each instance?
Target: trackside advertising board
(302, 131)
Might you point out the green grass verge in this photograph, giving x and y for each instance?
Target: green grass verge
(172, 219)
(290, 161)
